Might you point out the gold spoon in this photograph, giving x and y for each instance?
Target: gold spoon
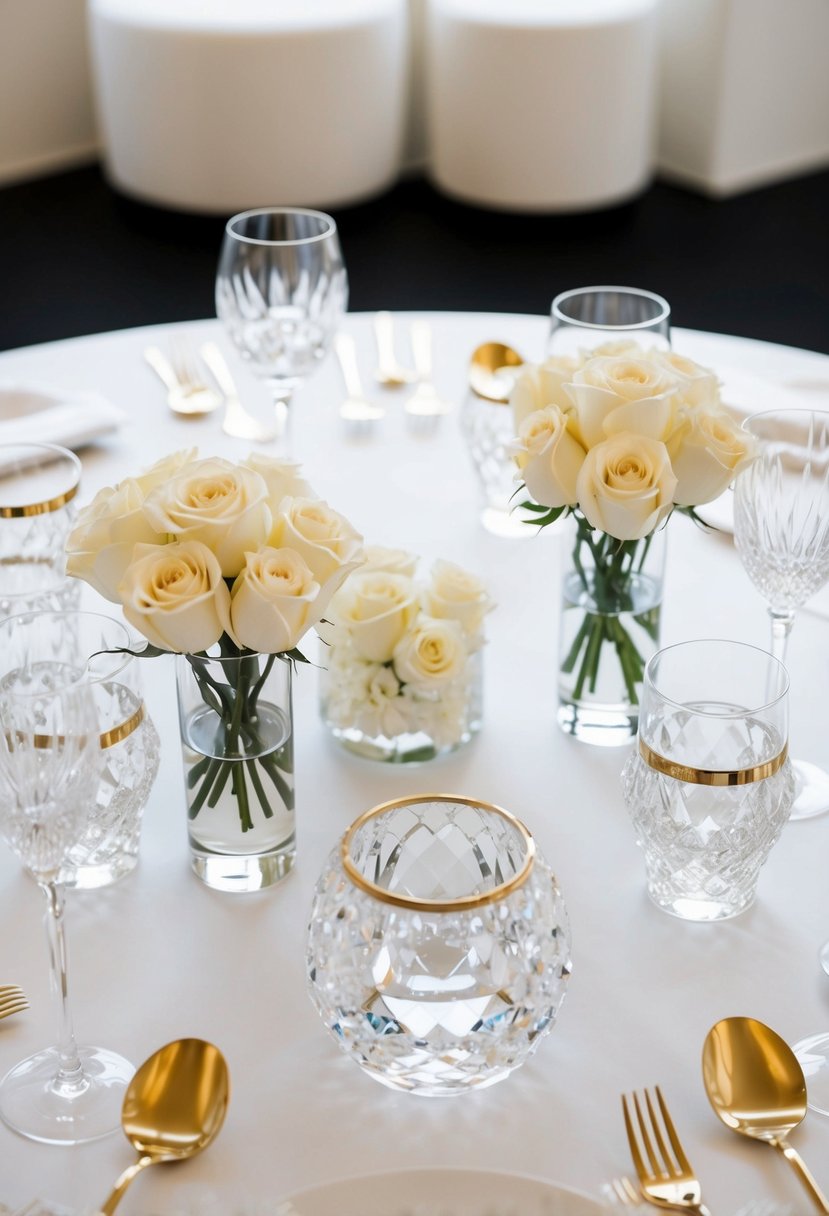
(493, 369)
(756, 1086)
(173, 1108)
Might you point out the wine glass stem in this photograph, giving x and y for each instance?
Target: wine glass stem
(781, 627)
(282, 413)
(70, 1070)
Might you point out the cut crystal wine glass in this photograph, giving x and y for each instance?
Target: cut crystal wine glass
(281, 291)
(50, 758)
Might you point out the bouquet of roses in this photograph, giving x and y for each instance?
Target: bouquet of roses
(202, 555)
(400, 649)
(618, 438)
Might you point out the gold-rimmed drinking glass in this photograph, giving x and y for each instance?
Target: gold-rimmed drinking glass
(588, 317)
(50, 766)
(38, 487)
(438, 945)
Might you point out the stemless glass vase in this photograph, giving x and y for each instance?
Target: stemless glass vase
(781, 530)
(236, 720)
(438, 945)
(588, 317)
(281, 291)
(38, 485)
(709, 787)
(611, 600)
(49, 771)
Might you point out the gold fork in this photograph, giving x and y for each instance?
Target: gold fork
(12, 1000)
(667, 1180)
(625, 1193)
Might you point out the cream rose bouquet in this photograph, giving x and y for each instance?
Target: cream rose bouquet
(402, 657)
(216, 560)
(618, 439)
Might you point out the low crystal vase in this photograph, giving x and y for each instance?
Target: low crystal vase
(611, 601)
(236, 721)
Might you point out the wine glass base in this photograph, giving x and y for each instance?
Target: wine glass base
(811, 790)
(36, 1105)
(813, 1056)
(824, 957)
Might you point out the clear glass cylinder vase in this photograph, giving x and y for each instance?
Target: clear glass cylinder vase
(236, 721)
(611, 601)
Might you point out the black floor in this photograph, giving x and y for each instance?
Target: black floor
(76, 258)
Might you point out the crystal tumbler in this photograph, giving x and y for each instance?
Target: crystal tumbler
(709, 786)
(439, 947)
(588, 317)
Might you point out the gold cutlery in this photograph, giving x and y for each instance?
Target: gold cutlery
(237, 421)
(187, 396)
(425, 401)
(625, 1193)
(12, 1000)
(174, 1107)
(666, 1178)
(389, 372)
(756, 1086)
(356, 407)
(493, 370)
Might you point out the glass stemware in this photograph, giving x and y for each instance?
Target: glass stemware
(781, 531)
(588, 317)
(49, 771)
(281, 290)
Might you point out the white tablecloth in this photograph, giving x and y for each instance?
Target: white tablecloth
(161, 956)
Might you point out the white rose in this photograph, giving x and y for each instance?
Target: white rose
(100, 546)
(325, 539)
(159, 474)
(456, 595)
(282, 477)
(176, 597)
(548, 457)
(707, 452)
(393, 561)
(542, 384)
(613, 394)
(698, 386)
(432, 654)
(376, 609)
(222, 505)
(626, 486)
(272, 601)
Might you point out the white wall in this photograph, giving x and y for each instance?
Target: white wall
(46, 116)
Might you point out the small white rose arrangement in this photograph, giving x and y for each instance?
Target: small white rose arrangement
(214, 559)
(619, 438)
(402, 659)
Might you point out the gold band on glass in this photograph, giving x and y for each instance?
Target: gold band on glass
(712, 776)
(39, 508)
(108, 738)
(463, 902)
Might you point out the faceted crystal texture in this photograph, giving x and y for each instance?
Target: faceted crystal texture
(438, 1002)
(704, 845)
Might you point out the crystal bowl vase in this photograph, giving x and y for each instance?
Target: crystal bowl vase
(438, 947)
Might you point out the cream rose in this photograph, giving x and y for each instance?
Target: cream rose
(282, 477)
(698, 386)
(273, 601)
(548, 457)
(626, 486)
(326, 540)
(542, 384)
(456, 595)
(707, 452)
(433, 653)
(377, 609)
(99, 547)
(176, 597)
(613, 394)
(222, 505)
(393, 561)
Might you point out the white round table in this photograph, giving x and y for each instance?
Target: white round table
(160, 956)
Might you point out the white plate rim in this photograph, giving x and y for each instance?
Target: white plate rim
(593, 1205)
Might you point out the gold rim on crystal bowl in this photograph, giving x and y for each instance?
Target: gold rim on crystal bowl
(463, 902)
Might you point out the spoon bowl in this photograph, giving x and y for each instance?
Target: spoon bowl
(756, 1086)
(493, 369)
(174, 1107)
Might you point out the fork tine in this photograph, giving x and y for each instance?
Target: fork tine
(684, 1164)
(638, 1163)
(10, 990)
(12, 999)
(7, 1010)
(656, 1165)
(625, 1191)
(667, 1161)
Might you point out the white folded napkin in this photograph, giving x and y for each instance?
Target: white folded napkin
(35, 415)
